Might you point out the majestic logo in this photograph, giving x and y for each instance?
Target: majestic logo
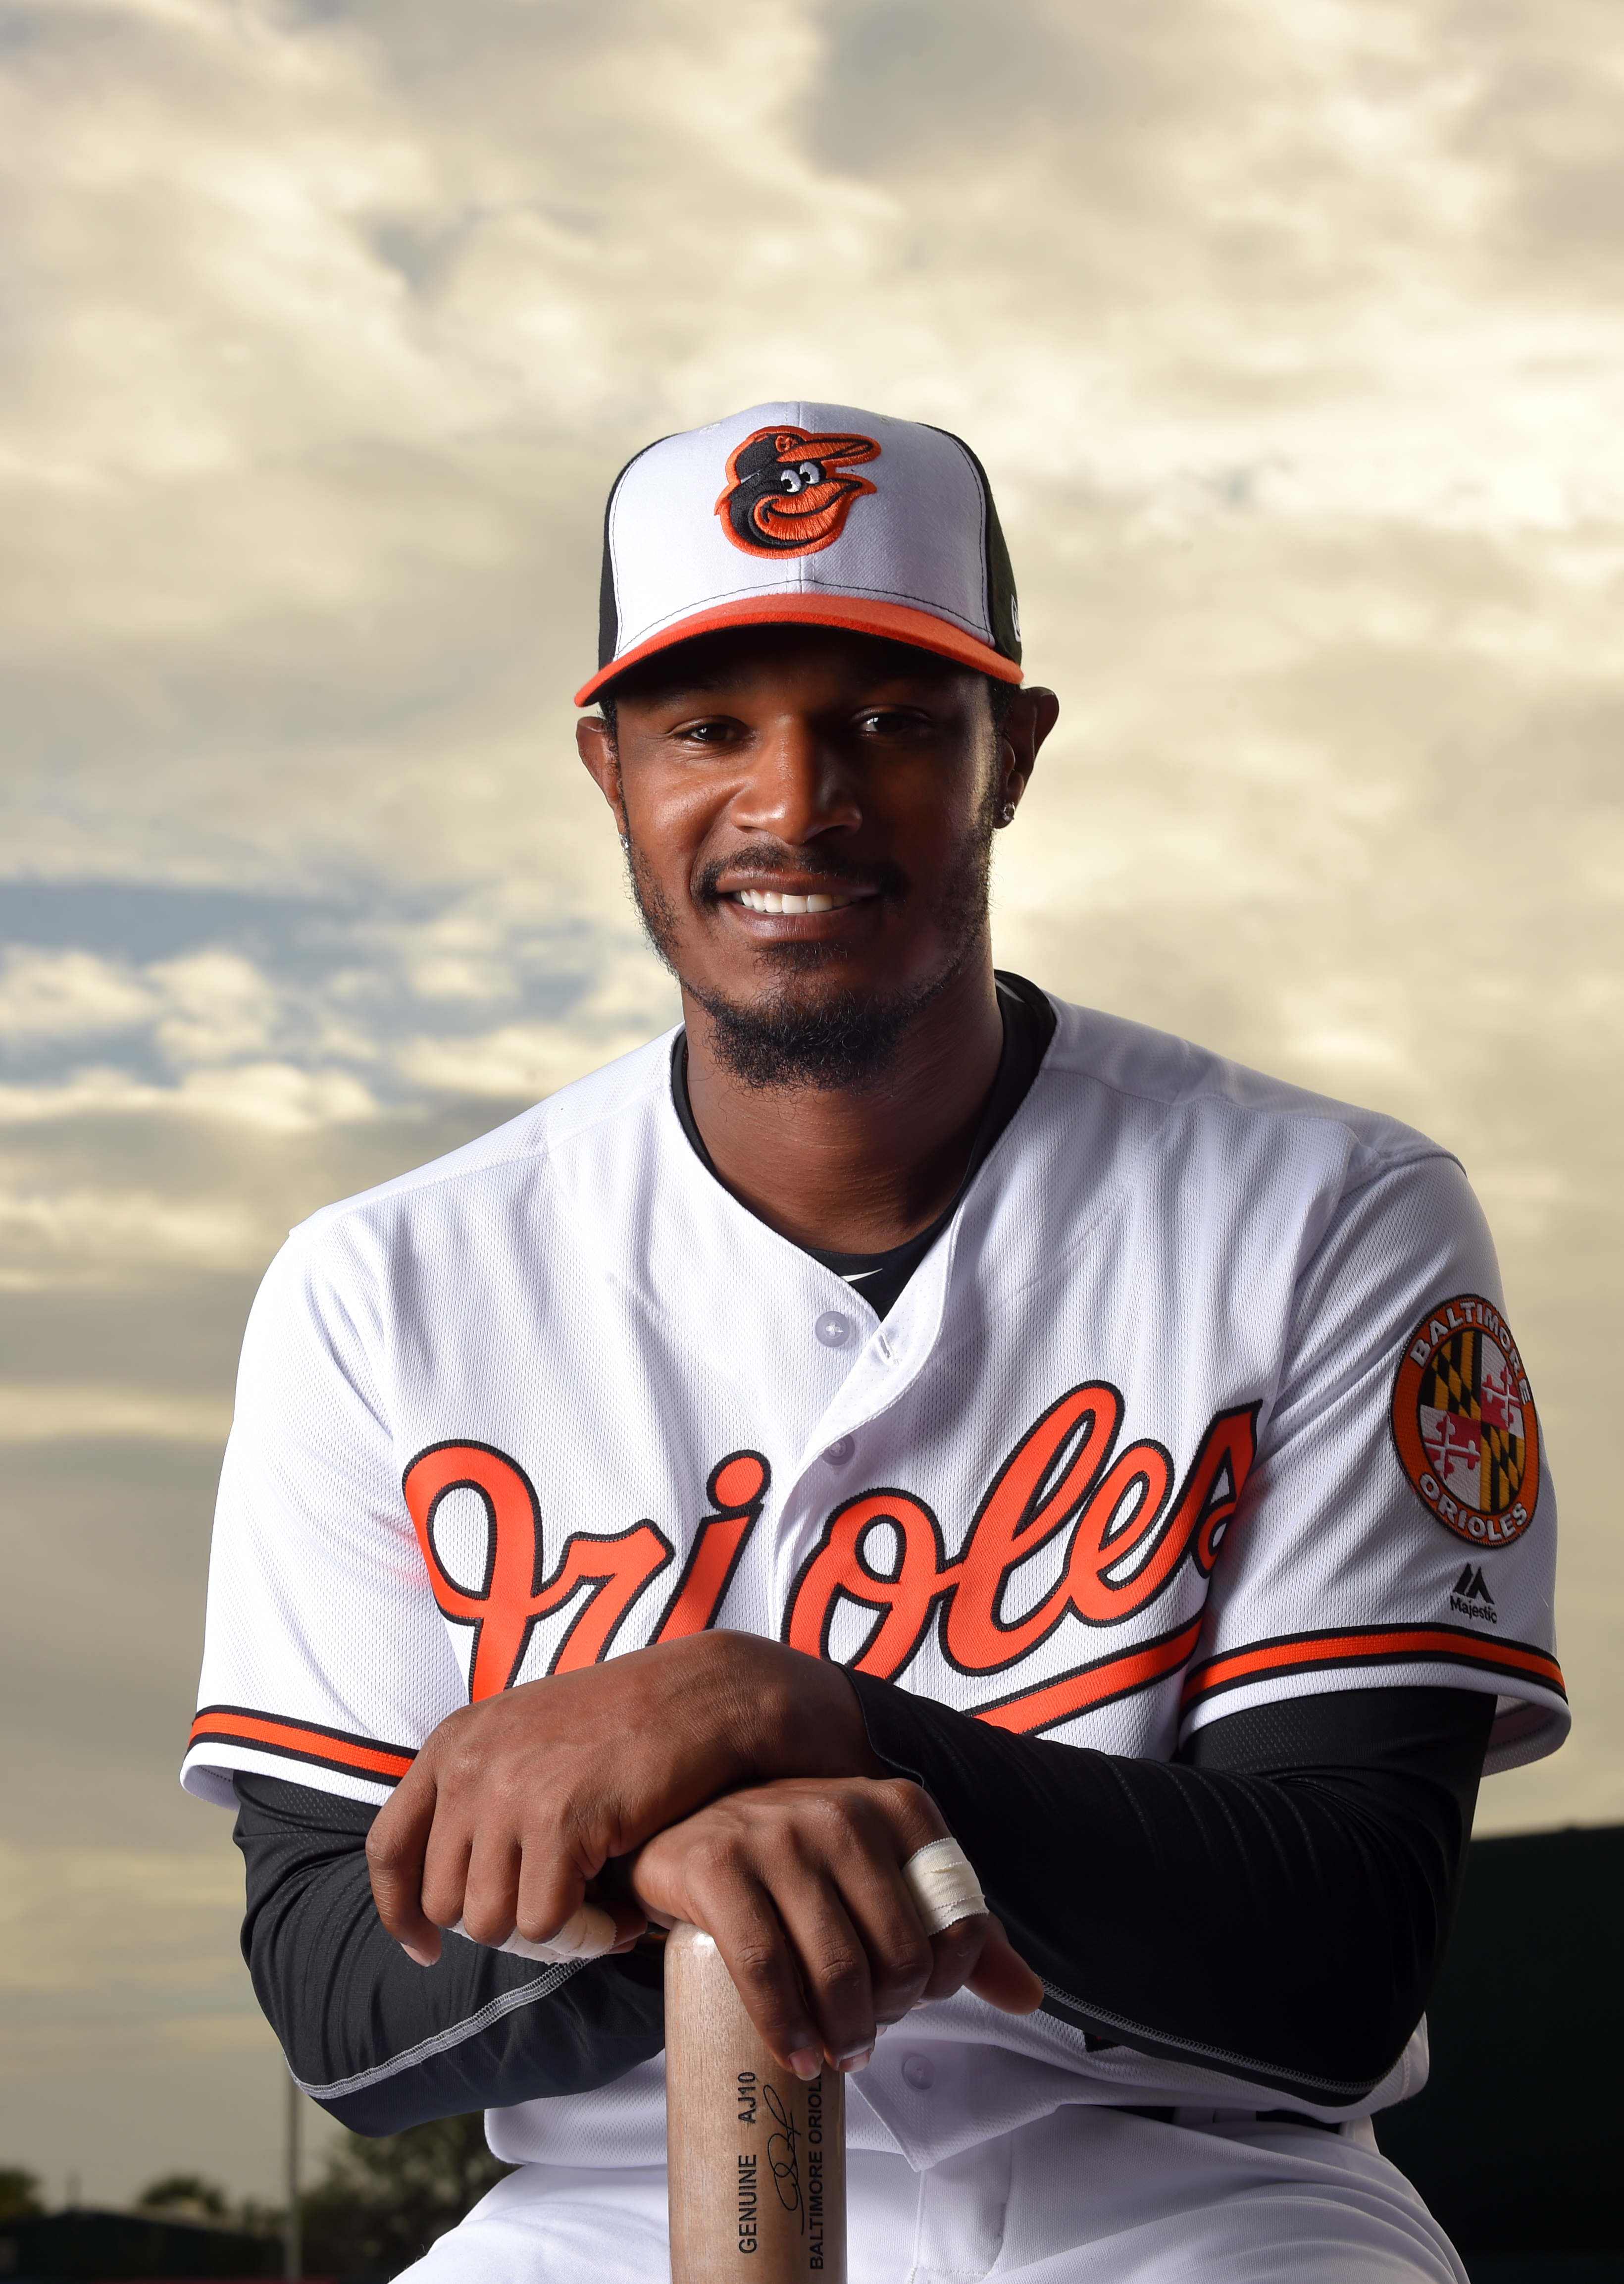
(786, 495)
(1471, 1597)
(1119, 1518)
(1464, 1425)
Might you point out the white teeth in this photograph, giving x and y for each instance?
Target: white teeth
(769, 900)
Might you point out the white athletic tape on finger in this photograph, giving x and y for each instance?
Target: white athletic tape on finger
(943, 1886)
(588, 1935)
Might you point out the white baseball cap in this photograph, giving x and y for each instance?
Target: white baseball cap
(817, 514)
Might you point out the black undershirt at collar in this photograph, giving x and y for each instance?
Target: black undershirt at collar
(880, 1278)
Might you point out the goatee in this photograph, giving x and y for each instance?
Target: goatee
(798, 1035)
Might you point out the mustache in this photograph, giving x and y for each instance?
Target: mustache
(766, 858)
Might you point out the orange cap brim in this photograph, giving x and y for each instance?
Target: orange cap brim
(892, 621)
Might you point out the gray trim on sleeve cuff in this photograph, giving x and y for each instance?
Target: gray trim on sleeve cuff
(442, 2041)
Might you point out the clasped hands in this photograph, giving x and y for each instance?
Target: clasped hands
(723, 1779)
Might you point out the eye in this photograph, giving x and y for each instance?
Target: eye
(710, 734)
(790, 479)
(810, 469)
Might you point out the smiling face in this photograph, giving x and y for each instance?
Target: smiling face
(809, 815)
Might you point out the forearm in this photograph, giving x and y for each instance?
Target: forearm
(1277, 1909)
(1280, 1923)
(512, 1804)
(383, 2044)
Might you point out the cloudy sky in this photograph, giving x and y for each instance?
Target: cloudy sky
(1290, 333)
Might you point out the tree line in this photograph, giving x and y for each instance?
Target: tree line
(378, 2207)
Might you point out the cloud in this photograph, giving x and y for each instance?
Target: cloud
(211, 1006)
(318, 1025)
(50, 1230)
(45, 995)
(220, 1009)
(517, 1061)
(57, 1933)
(34, 1413)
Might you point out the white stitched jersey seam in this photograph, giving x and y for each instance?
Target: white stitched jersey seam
(443, 2041)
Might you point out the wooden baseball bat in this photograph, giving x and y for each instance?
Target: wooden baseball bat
(757, 2156)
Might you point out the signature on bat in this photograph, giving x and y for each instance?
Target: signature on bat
(784, 2156)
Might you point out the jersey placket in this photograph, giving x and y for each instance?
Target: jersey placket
(884, 1372)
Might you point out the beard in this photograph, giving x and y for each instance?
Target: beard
(807, 1028)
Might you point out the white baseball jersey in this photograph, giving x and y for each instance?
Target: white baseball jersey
(1206, 1398)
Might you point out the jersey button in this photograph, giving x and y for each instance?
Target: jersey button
(839, 1451)
(919, 2072)
(833, 1329)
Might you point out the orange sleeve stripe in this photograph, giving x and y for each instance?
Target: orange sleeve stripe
(1389, 1645)
(1093, 1685)
(332, 1748)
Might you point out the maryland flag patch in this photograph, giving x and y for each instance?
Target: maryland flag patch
(1464, 1424)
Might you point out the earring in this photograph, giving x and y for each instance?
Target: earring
(1007, 813)
(625, 843)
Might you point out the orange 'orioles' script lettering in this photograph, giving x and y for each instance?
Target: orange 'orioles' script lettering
(1126, 1544)
(1129, 1534)
(503, 1610)
(515, 1591)
(735, 1490)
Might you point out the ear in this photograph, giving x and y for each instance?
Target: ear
(1031, 717)
(597, 753)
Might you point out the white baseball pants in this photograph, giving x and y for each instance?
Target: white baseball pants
(1085, 2197)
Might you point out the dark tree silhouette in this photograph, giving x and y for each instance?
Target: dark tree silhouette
(19, 2193)
(383, 2204)
(187, 2196)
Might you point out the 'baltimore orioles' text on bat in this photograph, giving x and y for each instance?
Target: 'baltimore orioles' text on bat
(757, 2156)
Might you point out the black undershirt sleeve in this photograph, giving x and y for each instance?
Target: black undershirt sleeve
(1275, 1904)
(382, 2042)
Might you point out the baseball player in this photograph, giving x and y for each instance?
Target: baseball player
(895, 1404)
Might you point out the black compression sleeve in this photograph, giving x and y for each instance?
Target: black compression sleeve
(383, 2044)
(1274, 1905)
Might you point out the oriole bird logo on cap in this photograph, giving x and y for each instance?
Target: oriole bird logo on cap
(784, 497)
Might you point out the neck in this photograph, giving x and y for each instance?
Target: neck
(856, 1169)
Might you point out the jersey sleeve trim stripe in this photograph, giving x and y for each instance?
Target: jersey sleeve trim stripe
(302, 1740)
(1087, 1686)
(1410, 1645)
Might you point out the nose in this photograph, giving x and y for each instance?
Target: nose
(796, 789)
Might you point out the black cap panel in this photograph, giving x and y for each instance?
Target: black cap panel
(1003, 610)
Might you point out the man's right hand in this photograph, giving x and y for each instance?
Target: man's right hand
(514, 1804)
(801, 1884)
